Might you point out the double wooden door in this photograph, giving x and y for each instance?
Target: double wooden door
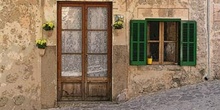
(84, 50)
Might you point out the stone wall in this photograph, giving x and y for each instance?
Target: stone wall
(215, 39)
(22, 71)
(20, 25)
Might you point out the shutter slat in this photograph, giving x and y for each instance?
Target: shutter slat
(142, 31)
(188, 43)
(135, 52)
(135, 32)
(142, 52)
(138, 42)
(184, 51)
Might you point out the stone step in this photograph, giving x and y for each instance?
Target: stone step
(84, 104)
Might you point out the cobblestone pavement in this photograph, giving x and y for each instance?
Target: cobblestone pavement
(203, 96)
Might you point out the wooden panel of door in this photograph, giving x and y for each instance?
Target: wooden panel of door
(71, 91)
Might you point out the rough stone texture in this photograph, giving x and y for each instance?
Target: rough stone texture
(122, 97)
(49, 78)
(12, 78)
(18, 100)
(119, 70)
(214, 42)
(20, 25)
(3, 101)
(22, 70)
(120, 35)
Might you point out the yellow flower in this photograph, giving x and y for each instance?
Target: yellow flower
(44, 25)
(41, 41)
(50, 24)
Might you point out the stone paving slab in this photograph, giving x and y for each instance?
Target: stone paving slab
(203, 96)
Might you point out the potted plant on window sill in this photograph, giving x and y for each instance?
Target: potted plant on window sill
(41, 44)
(149, 60)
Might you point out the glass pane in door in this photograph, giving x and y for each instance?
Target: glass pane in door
(97, 18)
(71, 42)
(71, 65)
(97, 66)
(71, 17)
(97, 42)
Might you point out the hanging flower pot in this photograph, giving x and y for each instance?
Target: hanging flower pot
(41, 44)
(41, 52)
(118, 24)
(49, 33)
(48, 26)
(119, 20)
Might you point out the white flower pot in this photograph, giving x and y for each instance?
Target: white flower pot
(41, 52)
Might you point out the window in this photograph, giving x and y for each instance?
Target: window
(162, 42)
(167, 41)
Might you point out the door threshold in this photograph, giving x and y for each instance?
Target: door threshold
(83, 104)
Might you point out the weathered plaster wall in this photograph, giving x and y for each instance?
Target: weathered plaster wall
(49, 78)
(19, 61)
(20, 64)
(215, 38)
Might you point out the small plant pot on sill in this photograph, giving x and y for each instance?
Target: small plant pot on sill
(41, 51)
(149, 61)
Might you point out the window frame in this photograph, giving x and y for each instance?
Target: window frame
(161, 39)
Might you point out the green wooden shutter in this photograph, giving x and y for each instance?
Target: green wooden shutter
(138, 42)
(188, 43)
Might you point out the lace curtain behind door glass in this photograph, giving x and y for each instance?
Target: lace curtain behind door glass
(71, 65)
(97, 18)
(71, 42)
(97, 42)
(71, 18)
(97, 66)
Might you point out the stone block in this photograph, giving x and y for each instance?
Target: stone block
(3, 101)
(18, 100)
(12, 78)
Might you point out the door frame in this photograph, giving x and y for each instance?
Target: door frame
(59, 42)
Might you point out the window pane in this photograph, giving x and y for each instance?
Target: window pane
(153, 30)
(154, 51)
(169, 52)
(170, 31)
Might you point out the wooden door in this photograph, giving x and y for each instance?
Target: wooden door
(84, 50)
